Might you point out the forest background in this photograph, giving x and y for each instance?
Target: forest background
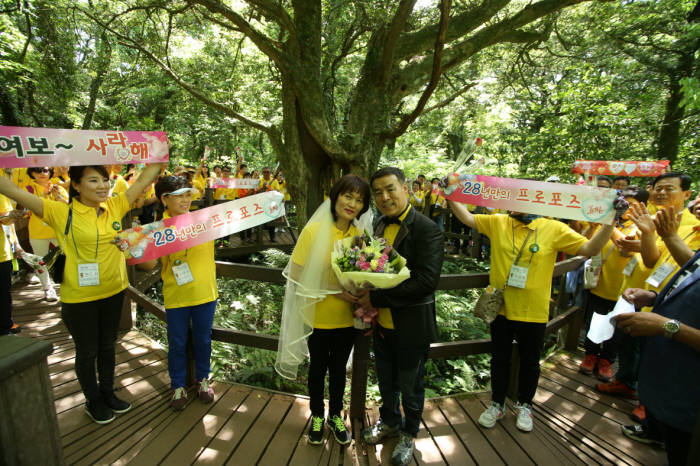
(324, 87)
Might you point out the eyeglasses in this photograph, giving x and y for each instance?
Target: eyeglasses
(45, 170)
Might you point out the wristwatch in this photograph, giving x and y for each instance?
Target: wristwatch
(671, 327)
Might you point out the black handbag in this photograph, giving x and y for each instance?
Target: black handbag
(56, 260)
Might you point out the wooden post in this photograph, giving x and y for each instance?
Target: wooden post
(360, 366)
(512, 392)
(28, 426)
(573, 331)
(125, 321)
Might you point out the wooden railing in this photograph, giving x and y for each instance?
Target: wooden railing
(571, 318)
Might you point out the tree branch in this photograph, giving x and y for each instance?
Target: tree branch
(226, 110)
(264, 43)
(449, 99)
(397, 25)
(276, 12)
(435, 75)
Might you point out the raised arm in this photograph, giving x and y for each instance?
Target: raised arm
(463, 214)
(145, 178)
(25, 198)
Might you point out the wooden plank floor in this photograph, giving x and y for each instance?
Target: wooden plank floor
(245, 425)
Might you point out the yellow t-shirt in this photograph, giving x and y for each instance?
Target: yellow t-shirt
(20, 177)
(5, 245)
(119, 184)
(437, 200)
(202, 289)
(390, 231)
(38, 228)
(57, 180)
(332, 312)
(89, 240)
(691, 236)
(688, 218)
(639, 273)
(611, 276)
(529, 304)
(417, 199)
(281, 187)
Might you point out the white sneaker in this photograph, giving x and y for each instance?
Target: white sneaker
(50, 295)
(31, 278)
(493, 413)
(524, 421)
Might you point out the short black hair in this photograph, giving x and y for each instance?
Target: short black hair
(216, 166)
(386, 171)
(622, 177)
(435, 179)
(685, 179)
(604, 178)
(635, 192)
(75, 173)
(170, 183)
(350, 184)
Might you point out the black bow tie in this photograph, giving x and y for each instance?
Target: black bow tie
(390, 220)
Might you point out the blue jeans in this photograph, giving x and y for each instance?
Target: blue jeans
(179, 318)
(400, 372)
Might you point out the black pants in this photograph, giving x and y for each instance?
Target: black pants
(93, 326)
(329, 350)
(5, 296)
(529, 336)
(592, 303)
(677, 441)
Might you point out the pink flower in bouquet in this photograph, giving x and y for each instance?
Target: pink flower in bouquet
(364, 265)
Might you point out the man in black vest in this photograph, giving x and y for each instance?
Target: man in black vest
(406, 322)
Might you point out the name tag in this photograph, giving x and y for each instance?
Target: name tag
(660, 274)
(597, 261)
(518, 276)
(182, 273)
(88, 274)
(627, 271)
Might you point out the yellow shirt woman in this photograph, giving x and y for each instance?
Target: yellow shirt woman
(38, 228)
(202, 289)
(89, 241)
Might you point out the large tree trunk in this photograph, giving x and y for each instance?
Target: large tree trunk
(7, 109)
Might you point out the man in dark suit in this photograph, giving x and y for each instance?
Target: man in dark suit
(669, 374)
(406, 322)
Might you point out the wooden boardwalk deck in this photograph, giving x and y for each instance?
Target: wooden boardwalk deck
(246, 425)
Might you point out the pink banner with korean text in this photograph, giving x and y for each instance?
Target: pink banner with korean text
(238, 183)
(621, 168)
(174, 234)
(41, 147)
(533, 197)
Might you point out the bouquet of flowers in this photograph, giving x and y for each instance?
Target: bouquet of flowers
(364, 262)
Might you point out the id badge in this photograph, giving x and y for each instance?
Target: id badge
(660, 274)
(629, 268)
(518, 276)
(88, 274)
(597, 261)
(182, 274)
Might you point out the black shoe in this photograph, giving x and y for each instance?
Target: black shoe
(316, 430)
(637, 433)
(99, 412)
(340, 432)
(115, 404)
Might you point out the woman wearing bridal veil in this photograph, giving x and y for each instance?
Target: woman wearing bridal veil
(317, 317)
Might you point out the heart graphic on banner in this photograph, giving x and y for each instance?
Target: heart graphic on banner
(586, 166)
(616, 167)
(595, 209)
(630, 167)
(646, 167)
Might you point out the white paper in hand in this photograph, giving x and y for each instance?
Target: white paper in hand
(603, 326)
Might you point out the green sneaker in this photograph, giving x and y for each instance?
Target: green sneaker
(403, 452)
(340, 432)
(316, 430)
